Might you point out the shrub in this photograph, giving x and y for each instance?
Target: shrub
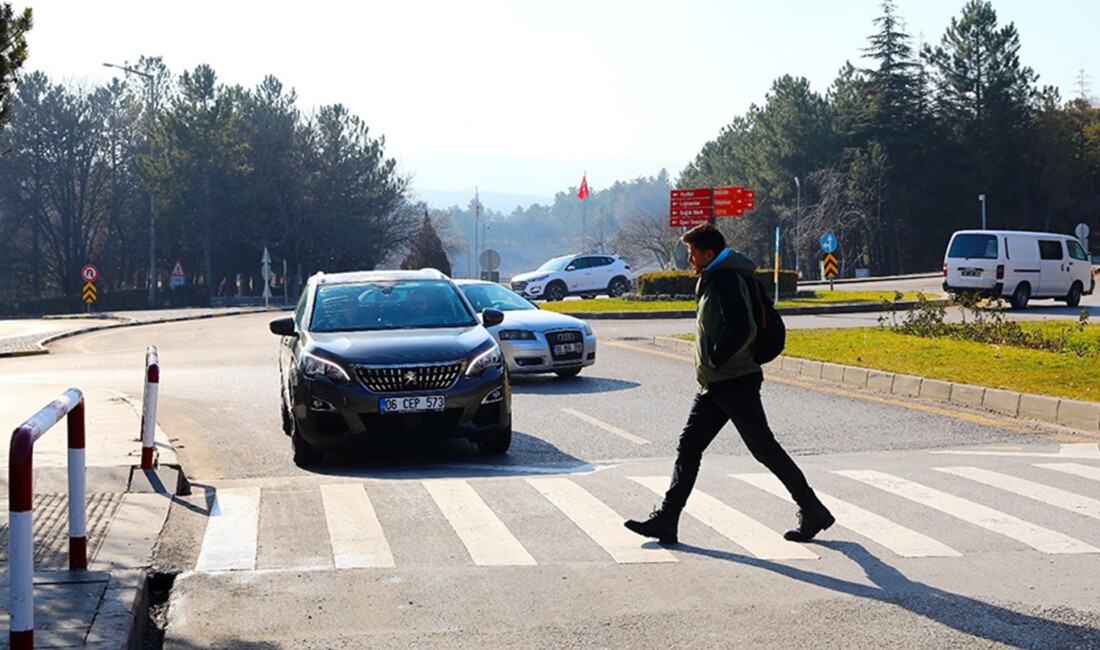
(683, 282)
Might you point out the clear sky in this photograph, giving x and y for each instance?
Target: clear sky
(524, 97)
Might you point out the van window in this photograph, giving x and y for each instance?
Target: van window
(1050, 250)
(973, 245)
(1076, 251)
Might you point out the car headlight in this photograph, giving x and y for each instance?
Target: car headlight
(312, 366)
(517, 335)
(490, 358)
(587, 330)
(537, 278)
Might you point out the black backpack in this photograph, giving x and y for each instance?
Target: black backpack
(771, 333)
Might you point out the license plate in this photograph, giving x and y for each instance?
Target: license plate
(412, 404)
(971, 273)
(567, 348)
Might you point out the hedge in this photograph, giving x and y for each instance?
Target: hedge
(189, 295)
(683, 282)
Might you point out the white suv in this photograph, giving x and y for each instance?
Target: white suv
(585, 275)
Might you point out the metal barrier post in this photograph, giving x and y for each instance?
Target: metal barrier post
(149, 407)
(20, 508)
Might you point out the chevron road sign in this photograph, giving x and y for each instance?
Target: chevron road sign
(829, 266)
(89, 292)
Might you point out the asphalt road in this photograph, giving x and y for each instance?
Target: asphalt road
(436, 546)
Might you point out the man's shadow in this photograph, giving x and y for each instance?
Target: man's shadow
(962, 613)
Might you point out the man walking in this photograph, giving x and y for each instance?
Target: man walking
(729, 390)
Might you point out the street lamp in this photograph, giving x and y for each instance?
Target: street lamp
(981, 197)
(797, 216)
(150, 80)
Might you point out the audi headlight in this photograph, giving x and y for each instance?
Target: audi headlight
(517, 335)
(490, 358)
(587, 330)
(313, 366)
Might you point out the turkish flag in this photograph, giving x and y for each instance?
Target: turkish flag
(582, 193)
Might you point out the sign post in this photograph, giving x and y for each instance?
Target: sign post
(265, 272)
(829, 267)
(177, 277)
(89, 273)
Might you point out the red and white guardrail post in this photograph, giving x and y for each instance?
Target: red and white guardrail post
(149, 407)
(20, 501)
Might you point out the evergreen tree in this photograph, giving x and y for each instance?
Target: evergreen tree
(427, 250)
(13, 52)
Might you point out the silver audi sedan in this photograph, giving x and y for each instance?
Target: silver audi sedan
(533, 340)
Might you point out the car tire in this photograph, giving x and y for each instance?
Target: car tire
(617, 287)
(555, 292)
(1020, 296)
(568, 373)
(288, 423)
(498, 444)
(1073, 298)
(305, 454)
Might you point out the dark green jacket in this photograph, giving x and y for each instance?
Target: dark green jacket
(724, 327)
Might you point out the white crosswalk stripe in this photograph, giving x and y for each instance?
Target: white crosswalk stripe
(1030, 489)
(1037, 537)
(1084, 471)
(598, 521)
(904, 541)
(231, 533)
(485, 536)
(363, 534)
(353, 527)
(753, 536)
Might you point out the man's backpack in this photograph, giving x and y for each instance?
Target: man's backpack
(771, 333)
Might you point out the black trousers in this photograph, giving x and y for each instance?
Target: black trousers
(738, 401)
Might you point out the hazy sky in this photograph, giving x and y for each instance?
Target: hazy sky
(523, 97)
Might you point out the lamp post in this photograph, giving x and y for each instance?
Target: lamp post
(981, 197)
(797, 218)
(150, 80)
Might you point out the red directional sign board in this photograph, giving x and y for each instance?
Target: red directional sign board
(727, 202)
(689, 208)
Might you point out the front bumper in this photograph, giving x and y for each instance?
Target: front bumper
(527, 356)
(529, 290)
(330, 415)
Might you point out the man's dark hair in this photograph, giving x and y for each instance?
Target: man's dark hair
(705, 238)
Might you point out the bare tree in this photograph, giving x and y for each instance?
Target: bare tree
(645, 236)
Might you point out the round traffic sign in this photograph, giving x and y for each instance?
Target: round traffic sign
(828, 242)
(490, 259)
(1082, 231)
(89, 272)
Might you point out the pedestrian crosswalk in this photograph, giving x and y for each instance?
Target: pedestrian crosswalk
(943, 511)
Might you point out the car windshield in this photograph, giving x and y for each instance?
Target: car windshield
(556, 264)
(388, 305)
(494, 296)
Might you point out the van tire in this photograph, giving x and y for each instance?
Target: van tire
(1073, 298)
(1020, 296)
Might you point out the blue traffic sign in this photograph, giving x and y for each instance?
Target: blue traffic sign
(828, 242)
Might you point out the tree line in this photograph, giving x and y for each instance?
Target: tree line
(894, 157)
(891, 159)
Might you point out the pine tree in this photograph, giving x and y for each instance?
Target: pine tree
(13, 52)
(427, 250)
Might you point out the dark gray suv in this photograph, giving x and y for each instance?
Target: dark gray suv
(390, 354)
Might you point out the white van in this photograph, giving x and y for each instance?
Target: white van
(1018, 265)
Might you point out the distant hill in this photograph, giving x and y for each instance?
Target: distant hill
(502, 203)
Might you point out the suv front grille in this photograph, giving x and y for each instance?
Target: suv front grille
(404, 379)
(519, 286)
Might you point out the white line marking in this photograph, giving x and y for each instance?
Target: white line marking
(906, 542)
(753, 536)
(610, 428)
(1037, 537)
(1084, 471)
(231, 532)
(1083, 450)
(485, 536)
(599, 522)
(353, 527)
(1030, 489)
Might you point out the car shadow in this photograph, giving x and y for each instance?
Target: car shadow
(419, 459)
(554, 385)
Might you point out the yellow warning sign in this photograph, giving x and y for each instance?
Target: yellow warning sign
(829, 266)
(89, 293)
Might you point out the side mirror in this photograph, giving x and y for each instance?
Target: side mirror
(570, 268)
(492, 317)
(282, 326)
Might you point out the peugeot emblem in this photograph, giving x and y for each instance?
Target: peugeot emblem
(409, 377)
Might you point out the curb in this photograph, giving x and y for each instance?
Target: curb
(1074, 414)
(850, 308)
